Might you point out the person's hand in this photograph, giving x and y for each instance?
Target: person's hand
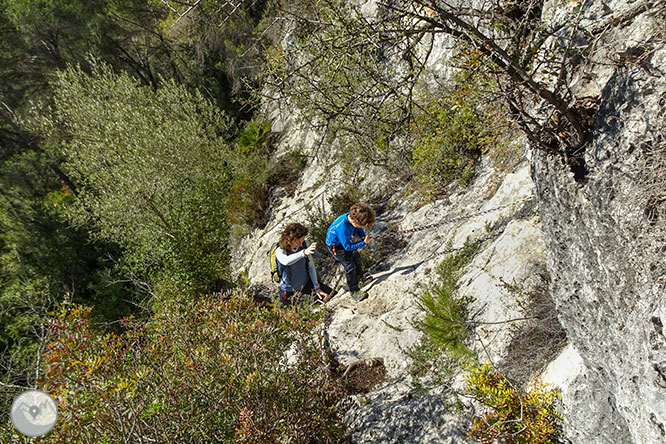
(367, 238)
(311, 249)
(323, 296)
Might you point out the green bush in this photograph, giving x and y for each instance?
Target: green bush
(199, 371)
(151, 168)
(513, 417)
(252, 169)
(255, 173)
(289, 170)
(445, 322)
(450, 132)
(255, 137)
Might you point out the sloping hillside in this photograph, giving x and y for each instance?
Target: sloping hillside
(588, 239)
(498, 209)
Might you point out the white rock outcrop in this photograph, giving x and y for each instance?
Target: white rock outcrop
(590, 237)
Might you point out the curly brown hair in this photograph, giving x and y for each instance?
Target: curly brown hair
(362, 214)
(291, 233)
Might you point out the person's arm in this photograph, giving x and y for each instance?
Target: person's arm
(344, 235)
(288, 259)
(316, 254)
(312, 271)
(360, 232)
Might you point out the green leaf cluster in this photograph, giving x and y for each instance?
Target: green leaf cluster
(513, 417)
(151, 168)
(450, 134)
(253, 172)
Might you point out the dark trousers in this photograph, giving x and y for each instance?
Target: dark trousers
(287, 297)
(351, 260)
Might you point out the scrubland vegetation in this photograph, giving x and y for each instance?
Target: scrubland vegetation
(515, 413)
(133, 148)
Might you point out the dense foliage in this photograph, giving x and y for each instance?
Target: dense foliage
(41, 259)
(150, 167)
(452, 128)
(175, 50)
(514, 417)
(210, 370)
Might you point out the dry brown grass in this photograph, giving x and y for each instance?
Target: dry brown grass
(536, 341)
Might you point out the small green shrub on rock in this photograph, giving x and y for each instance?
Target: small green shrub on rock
(514, 417)
(454, 127)
(446, 148)
(445, 320)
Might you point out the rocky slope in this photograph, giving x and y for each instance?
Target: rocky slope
(587, 241)
(512, 250)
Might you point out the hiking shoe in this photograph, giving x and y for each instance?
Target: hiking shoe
(358, 296)
(367, 277)
(365, 280)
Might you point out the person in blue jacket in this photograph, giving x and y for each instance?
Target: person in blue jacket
(340, 245)
(298, 274)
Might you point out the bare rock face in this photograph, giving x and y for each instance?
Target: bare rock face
(606, 267)
(395, 414)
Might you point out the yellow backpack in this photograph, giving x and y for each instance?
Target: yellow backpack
(276, 267)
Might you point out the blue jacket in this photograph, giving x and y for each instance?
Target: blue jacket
(340, 233)
(297, 269)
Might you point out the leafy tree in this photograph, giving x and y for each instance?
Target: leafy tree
(41, 260)
(221, 45)
(215, 47)
(367, 73)
(41, 36)
(150, 166)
